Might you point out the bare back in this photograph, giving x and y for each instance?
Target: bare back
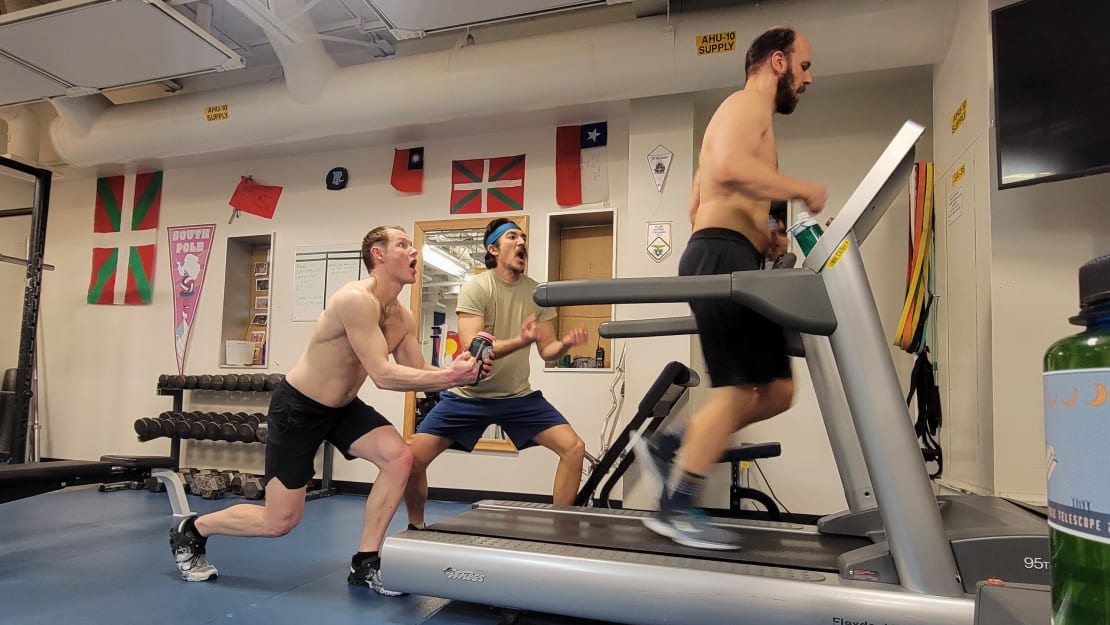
(330, 371)
(739, 133)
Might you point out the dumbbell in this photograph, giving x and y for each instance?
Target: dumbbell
(231, 381)
(204, 382)
(252, 488)
(154, 485)
(262, 433)
(244, 382)
(217, 382)
(273, 380)
(148, 429)
(191, 381)
(210, 485)
(258, 382)
(163, 380)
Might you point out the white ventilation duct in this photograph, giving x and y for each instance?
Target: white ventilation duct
(23, 135)
(618, 61)
(306, 64)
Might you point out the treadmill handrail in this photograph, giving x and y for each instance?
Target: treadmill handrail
(639, 328)
(793, 298)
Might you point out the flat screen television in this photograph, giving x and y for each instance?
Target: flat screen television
(1052, 90)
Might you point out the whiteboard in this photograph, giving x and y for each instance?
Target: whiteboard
(318, 272)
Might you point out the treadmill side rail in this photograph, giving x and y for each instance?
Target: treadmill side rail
(644, 589)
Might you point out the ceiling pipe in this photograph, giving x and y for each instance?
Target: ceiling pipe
(617, 61)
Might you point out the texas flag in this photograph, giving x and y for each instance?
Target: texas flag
(487, 185)
(581, 165)
(125, 225)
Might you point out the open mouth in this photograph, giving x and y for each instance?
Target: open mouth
(522, 254)
(412, 265)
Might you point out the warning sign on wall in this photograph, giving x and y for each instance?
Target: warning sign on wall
(716, 43)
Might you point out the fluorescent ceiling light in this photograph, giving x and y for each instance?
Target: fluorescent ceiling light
(442, 261)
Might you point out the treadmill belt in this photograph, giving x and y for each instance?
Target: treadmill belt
(813, 552)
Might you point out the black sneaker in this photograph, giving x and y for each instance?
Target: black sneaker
(367, 574)
(188, 552)
(418, 527)
(691, 528)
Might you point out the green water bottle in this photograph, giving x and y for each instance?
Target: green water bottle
(806, 231)
(1077, 437)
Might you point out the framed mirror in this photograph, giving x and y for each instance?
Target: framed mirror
(245, 334)
(451, 252)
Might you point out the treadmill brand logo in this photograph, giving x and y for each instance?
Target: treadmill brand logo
(464, 576)
(845, 621)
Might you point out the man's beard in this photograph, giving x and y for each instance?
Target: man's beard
(785, 98)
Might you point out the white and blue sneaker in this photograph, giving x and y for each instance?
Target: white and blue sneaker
(691, 528)
(657, 463)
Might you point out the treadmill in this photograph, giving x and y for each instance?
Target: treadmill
(909, 559)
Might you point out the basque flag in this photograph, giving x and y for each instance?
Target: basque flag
(408, 170)
(125, 225)
(487, 185)
(581, 164)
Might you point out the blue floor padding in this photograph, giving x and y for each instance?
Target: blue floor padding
(85, 557)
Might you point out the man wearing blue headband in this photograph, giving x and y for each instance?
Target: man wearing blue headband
(500, 302)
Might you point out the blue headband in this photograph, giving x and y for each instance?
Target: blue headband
(502, 229)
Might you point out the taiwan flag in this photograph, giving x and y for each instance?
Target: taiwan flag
(487, 185)
(408, 170)
(125, 226)
(581, 164)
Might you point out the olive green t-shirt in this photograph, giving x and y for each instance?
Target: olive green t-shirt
(503, 306)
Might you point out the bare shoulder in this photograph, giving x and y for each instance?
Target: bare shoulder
(355, 298)
(745, 108)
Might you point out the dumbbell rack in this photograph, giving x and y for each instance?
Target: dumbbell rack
(168, 387)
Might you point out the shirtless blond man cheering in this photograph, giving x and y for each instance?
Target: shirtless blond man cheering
(361, 326)
(745, 354)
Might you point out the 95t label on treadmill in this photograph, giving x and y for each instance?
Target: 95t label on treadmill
(1077, 425)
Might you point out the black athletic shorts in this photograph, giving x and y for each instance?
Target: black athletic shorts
(740, 346)
(299, 425)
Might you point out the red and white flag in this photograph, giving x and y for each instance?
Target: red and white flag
(408, 170)
(487, 185)
(189, 248)
(581, 164)
(125, 225)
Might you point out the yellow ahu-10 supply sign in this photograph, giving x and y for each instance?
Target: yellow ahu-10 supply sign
(716, 43)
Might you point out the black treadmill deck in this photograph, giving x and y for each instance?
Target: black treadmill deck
(788, 549)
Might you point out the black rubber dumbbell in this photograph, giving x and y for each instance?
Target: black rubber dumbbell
(231, 381)
(252, 488)
(272, 381)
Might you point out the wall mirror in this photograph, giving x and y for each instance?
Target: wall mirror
(451, 252)
(245, 334)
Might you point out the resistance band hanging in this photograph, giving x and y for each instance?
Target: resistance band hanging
(912, 334)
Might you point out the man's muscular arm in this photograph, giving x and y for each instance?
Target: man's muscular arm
(470, 325)
(741, 124)
(360, 314)
(408, 350)
(552, 349)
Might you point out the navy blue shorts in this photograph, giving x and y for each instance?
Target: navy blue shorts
(463, 419)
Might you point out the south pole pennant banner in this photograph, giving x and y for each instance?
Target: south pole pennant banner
(487, 185)
(189, 248)
(125, 226)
